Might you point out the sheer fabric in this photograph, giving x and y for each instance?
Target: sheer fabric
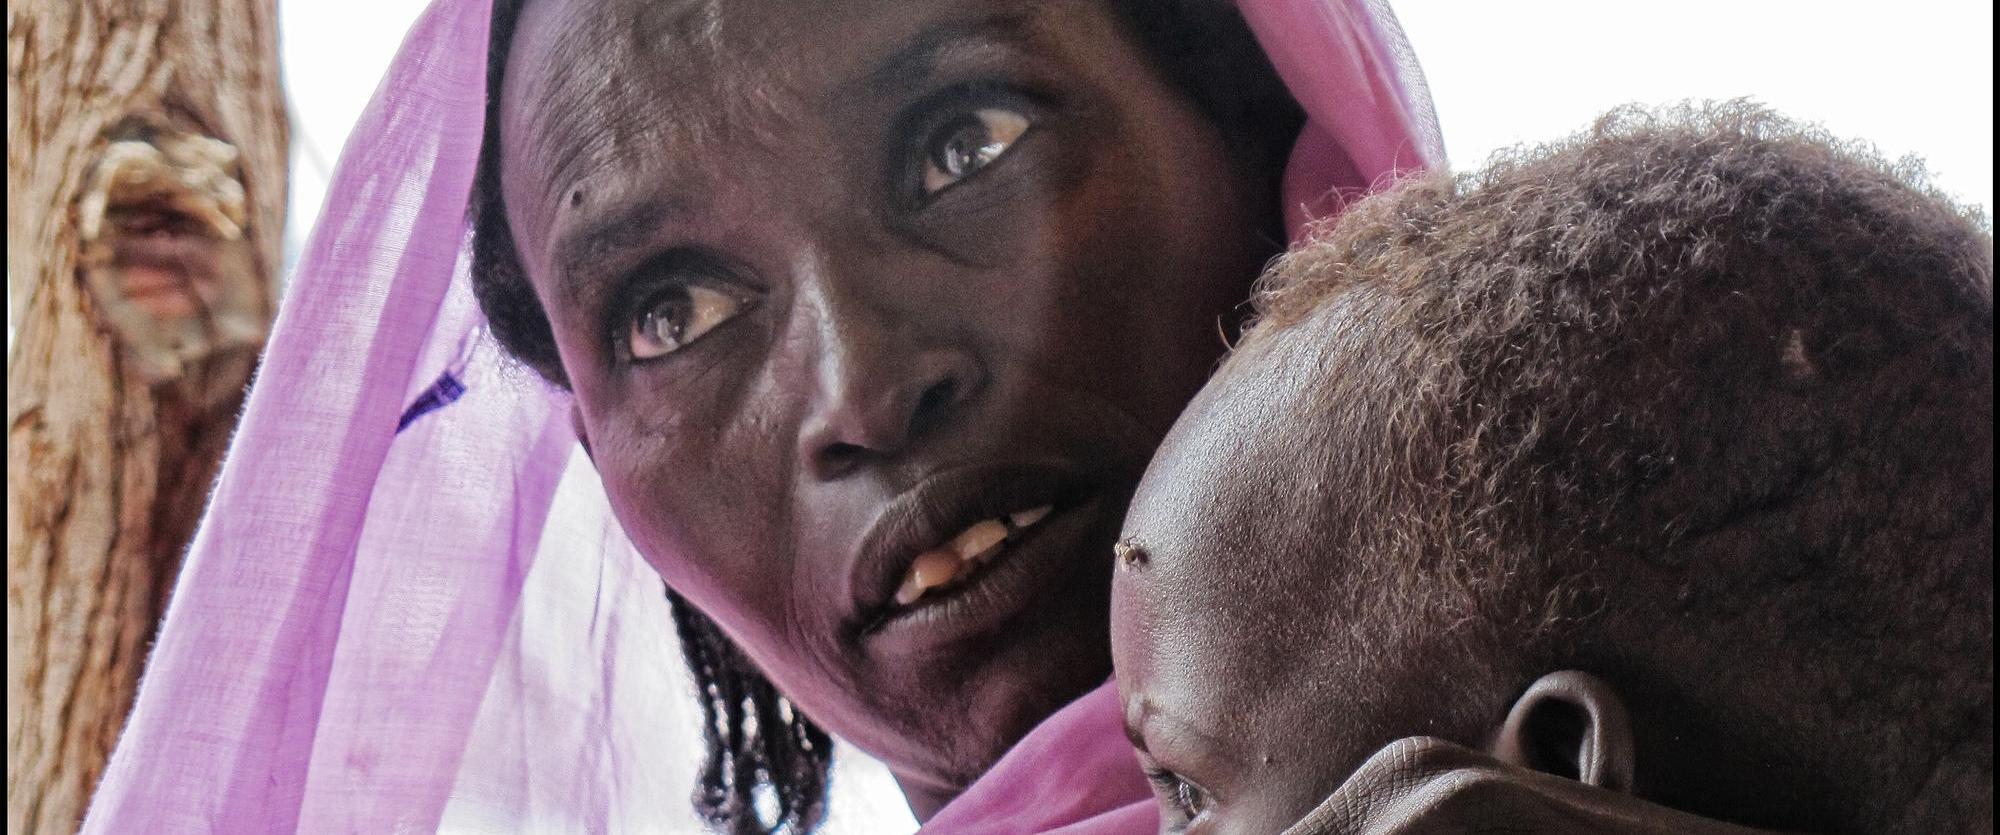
(408, 607)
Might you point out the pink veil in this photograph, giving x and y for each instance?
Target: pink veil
(408, 608)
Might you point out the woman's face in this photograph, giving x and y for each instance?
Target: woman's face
(874, 311)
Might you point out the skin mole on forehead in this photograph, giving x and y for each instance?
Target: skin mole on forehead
(576, 197)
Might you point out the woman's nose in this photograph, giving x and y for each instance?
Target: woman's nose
(879, 395)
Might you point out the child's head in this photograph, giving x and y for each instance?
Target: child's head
(1700, 404)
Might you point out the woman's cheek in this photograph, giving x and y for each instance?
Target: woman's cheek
(652, 470)
(701, 486)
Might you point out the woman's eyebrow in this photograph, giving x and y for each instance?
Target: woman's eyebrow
(581, 252)
(917, 60)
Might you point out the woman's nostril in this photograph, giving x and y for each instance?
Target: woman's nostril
(844, 445)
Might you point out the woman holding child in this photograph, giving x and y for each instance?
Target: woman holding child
(869, 319)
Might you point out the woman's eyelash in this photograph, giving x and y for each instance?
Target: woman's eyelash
(678, 276)
(922, 123)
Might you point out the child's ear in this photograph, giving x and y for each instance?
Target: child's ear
(576, 425)
(1570, 724)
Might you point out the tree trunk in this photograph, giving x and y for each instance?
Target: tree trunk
(146, 152)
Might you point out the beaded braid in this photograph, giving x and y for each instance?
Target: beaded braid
(754, 737)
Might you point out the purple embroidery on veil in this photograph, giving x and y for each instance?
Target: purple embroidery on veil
(437, 396)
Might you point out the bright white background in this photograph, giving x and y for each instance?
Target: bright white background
(1912, 77)
(1915, 79)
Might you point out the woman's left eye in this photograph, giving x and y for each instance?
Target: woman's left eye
(962, 146)
(679, 316)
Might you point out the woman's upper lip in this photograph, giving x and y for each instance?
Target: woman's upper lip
(938, 507)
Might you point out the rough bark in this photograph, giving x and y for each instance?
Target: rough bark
(146, 152)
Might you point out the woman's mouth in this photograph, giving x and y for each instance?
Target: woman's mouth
(952, 563)
(967, 549)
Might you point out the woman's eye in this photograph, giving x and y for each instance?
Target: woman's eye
(680, 316)
(962, 146)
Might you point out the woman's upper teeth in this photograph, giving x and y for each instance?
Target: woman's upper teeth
(972, 543)
(942, 565)
(1029, 516)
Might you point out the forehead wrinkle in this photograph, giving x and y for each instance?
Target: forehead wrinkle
(731, 78)
(601, 105)
(656, 87)
(719, 69)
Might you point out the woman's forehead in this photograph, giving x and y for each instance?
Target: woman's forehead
(702, 56)
(640, 91)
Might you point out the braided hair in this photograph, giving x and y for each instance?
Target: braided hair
(754, 737)
(766, 764)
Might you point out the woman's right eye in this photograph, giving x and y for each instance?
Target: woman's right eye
(681, 314)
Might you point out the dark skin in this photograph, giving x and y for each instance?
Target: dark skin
(1277, 681)
(828, 288)
(1642, 476)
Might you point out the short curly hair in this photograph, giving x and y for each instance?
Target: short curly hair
(755, 738)
(1757, 359)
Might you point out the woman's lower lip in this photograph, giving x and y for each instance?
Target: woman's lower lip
(1045, 556)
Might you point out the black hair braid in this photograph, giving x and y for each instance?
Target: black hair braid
(753, 737)
(792, 746)
(710, 792)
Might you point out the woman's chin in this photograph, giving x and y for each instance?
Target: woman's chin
(967, 707)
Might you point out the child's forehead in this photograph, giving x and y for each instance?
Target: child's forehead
(1282, 384)
(1244, 524)
(1228, 439)
(1248, 470)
